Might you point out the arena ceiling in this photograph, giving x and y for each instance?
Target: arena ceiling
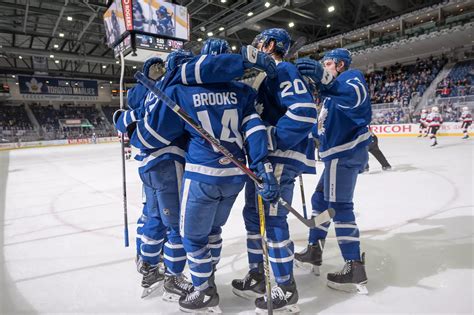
(70, 33)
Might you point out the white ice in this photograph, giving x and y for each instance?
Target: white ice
(61, 229)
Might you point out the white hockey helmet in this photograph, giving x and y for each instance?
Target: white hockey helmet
(423, 110)
(434, 109)
(465, 108)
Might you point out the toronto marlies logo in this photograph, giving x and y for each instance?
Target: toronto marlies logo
(34, 86)
(323, 114)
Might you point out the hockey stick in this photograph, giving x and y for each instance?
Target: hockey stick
(266, 264)
(124, 178)
(150, 85)
(303, 199)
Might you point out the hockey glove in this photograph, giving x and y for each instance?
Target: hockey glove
(154, 68)
(125, 120)
(259, 60)
(270, 191)
(315, 71)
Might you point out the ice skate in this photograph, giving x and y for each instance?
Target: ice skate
(284, 299)
(352, 278)
(252, 286)
(201, 302)
(386, 168)
(311, 257)
(152, 278)
(465, 137)
(176, 287)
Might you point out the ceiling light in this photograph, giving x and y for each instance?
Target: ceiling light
(331, 9)
(61, 34)
(250, 13)
(13, 76)
(210, 34)
(199, 39)
(110, 82)
(104, 66)
(67, 83)
(223, 1)
(328, 25)
(101, 87)
(20, 57)
(267, 4)
(51, 56)
(69, 18)
(134, 67)
(56, 61)
(221, 28)
(234, 47)
(56, 46)
(291, 24)
(117, 62)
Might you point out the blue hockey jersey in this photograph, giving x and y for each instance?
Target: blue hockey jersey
(345, 115)
(287, 106)
(291, 111)
(139, 100)
(225, 110)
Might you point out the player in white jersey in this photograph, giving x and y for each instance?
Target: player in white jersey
(434, 121)
(466, 118)
(423, 126)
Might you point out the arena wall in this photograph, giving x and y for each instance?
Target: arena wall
(49, 143)
(451, 129)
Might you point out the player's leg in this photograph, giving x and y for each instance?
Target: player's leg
(170, 175)
(433, 131)
(342, 178)
(199, 205)
(280, 247)
(151, 241)
(377, 153)
(465, 127)
(253, 284)
(312, 255)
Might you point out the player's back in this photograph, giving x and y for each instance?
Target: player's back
(221, 109)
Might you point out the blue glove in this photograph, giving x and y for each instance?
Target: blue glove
(259, 60)
(270, 191)
(314, 70)
(124, 120)
(154, 68)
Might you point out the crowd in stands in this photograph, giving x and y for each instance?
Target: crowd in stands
(391, 116)
(397, 83)
(14, 118)
(109, 111)
(458, 82)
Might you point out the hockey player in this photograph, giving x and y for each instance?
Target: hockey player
(288, 109)
(466, 118)
(161, 171)
(165, 22)
(434, 121)
(344, 136)
(423, 126)
(211, 182)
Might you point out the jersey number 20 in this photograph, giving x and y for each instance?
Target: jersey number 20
(298, 87)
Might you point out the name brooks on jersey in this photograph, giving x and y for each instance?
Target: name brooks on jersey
(210, 99)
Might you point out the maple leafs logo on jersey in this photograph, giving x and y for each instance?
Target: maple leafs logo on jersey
(323, 114)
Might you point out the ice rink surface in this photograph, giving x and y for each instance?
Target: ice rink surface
(62, 235)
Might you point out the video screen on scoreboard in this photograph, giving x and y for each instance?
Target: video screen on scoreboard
(161, 18)
(114, 23)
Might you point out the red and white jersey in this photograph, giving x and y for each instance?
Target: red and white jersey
(423, 117)
(434, 119)
(466, 116)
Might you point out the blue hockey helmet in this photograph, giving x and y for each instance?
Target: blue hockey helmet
(215, 46)
(339, 54)
(279, 35)
(176, 58)
(162, 10)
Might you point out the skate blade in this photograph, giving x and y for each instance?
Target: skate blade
(170, 297)
(152, 290)
(358, 288)
(248, 295)
(205, 310)
(289, 309)
(308, 267)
